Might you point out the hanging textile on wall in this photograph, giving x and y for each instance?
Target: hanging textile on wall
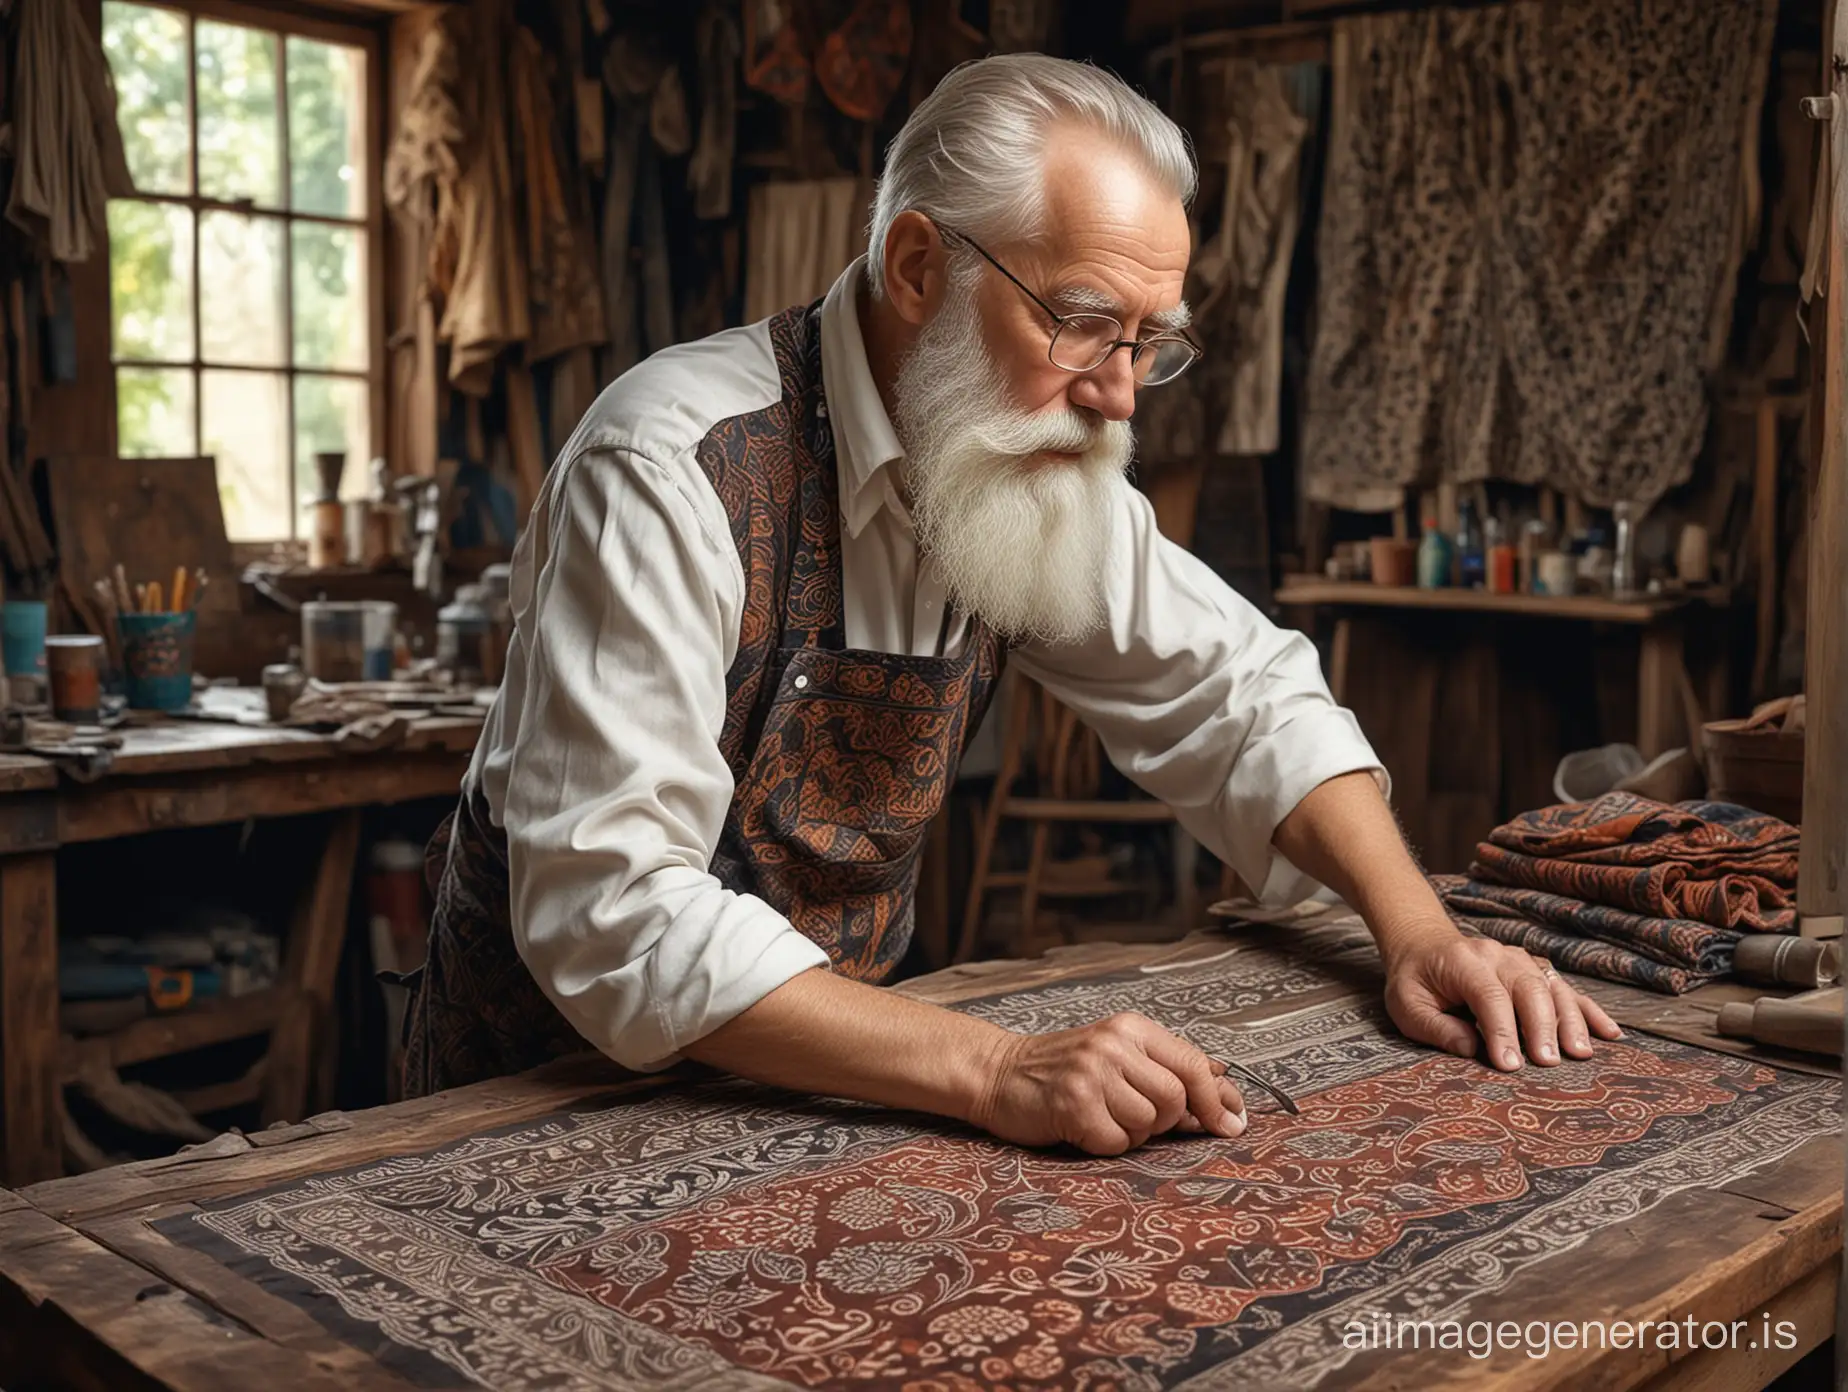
(1246, 266)
(1533, 220)
(449, 175)
(567, 300)
(861, 64)
(66, 144)
(710, 173)
(802, 235)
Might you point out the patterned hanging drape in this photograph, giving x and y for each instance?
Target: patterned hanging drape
(1532, 225)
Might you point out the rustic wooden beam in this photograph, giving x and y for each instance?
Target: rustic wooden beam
(313, 957)
(1825, 657)
(31, 1148)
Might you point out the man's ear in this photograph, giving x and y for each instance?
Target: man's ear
(915, 267)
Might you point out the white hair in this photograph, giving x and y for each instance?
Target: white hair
(969, 157)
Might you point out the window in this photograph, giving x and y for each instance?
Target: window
(245, 313)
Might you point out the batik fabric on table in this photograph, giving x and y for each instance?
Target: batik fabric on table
(1631, 890)
(719, 1236)
(1673, 955)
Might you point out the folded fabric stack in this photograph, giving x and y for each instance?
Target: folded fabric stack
(1632, 890)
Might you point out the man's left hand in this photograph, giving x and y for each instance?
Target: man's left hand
(1514, 997)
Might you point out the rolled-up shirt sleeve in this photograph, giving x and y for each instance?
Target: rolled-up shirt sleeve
(1204, 703)
(616, 788)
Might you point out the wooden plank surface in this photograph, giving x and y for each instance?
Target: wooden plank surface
(31, 1146)
(128, 806)
(74, 1314)
(1641, 610)
(1768, 1242)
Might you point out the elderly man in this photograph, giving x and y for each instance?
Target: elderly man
(765, 596)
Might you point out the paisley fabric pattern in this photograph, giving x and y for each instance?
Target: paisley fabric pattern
(1711, 862)
(1631, 890)
(840, 758)
(1671, 955)
(718, 1236)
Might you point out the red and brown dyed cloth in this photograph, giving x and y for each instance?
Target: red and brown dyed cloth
(719, 1237)
(1630, 889)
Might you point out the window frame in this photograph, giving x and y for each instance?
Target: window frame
(284, 23)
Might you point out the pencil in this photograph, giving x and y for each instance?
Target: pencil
(179, 588)
(121, 588)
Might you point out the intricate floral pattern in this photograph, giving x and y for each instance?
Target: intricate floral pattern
(714, 1238)
(1707, 861)
(840, 758)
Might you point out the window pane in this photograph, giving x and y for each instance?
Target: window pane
(150, 280)
(239, 151)
(327, 129)
(240, 274)
(331, 413)
(245, 420)
(154, 413)
(147, 57)
(330, 296)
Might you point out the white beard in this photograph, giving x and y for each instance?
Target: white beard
(1024, 544)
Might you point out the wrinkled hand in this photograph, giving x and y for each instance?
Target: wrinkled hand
(1106, 1088)
(1513, 996)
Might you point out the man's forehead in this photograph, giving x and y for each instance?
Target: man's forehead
(1078, 297)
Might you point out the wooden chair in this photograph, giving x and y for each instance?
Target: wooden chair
(1067, 766)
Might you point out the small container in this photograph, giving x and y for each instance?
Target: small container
(348, 640)
(283, 683)
(463, 632)
(22, 640)
(1533, 542)
(1395, 562)
(355, 515)
(74, 663)
(157, 659)
(1433, 559)
(1501, 569)
(327, 534)
(1623, 564)
(1555, 574)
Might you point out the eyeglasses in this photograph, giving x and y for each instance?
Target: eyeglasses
(1083, 342)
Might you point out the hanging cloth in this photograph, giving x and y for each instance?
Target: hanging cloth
(67, 147)
(862, 63)
(1532, 224)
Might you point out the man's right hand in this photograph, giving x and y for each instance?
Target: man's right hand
(1105, 1088)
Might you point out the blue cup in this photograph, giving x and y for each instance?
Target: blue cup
(157, 659)
(22, 637)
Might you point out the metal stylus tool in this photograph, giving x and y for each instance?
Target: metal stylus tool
(1283, 1098)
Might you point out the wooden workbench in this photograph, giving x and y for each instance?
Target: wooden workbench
(92, 1291)
(168, 776)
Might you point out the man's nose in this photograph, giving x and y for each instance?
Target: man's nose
(1108, 389)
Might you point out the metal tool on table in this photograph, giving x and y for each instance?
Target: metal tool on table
(1283, 1098)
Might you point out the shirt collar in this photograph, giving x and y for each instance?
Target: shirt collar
(865, 442)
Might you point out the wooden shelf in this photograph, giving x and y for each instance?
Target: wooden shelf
(209, 1022)
(1643, 609)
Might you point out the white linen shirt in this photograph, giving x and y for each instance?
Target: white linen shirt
(600, 758)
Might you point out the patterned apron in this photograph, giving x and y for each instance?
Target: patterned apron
(839, 757)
